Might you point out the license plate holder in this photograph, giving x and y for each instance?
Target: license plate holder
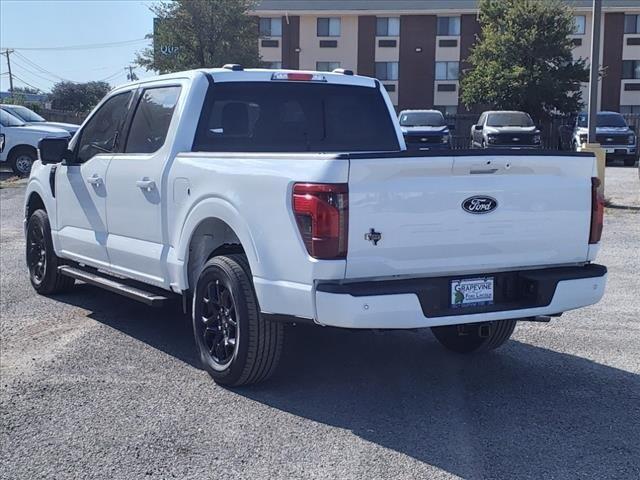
(472, 292)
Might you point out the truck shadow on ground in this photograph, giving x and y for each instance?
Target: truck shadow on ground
(519, 412)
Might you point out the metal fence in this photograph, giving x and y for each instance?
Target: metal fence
(62, 116)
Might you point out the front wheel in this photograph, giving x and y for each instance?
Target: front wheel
(474, 337)
(41, 258)
(237, 345)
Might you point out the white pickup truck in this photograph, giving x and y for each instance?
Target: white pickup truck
(266, 196)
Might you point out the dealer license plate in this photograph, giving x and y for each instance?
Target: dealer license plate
(472, 292)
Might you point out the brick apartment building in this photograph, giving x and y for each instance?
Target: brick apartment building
(417, 48)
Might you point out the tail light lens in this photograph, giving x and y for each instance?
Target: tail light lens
(322, 215)
(597, 211)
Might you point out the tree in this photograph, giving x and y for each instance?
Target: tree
(201, 33)
(78, 97)
(18, 90)
(523, 60)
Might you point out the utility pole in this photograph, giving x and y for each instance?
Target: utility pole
(595, 69)
(592, 142)
(131, 76)
(8, 52)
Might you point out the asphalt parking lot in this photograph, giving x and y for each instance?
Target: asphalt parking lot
(98, 386)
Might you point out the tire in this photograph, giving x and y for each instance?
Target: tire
(474, 337)
(629, 162)
(22, 160)
(237, 346)
(42, 261)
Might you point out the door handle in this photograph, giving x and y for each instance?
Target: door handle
(95, 180)
(146, 184)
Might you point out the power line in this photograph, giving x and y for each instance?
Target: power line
(87, 46)
(30, 72)
(41, 69)
(28, 84)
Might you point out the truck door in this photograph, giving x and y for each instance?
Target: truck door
(138, 238)
(81, 189)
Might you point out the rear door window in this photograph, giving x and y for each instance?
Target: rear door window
(151, 119)
(294, 117)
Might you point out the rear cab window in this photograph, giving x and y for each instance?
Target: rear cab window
(294, 117)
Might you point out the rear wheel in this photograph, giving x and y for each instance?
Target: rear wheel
(474, 337)
(629, 162)
(22, 160)
(237, 345)
(41, 259)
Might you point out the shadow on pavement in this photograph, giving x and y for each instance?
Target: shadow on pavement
(519, 412)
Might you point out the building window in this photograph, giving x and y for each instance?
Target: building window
(447, 109)
(270, 27)
(327, 66)
(387, 70)
(579, 24)
(632, 24)
(328, 27)
(447, 70)
(273, 65)
(631, 69)
(630, 109)
(448, 26)
(388, 26)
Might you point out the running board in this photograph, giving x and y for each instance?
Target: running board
(115, 285)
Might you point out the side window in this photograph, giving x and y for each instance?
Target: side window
(151, 119)
(100, 134)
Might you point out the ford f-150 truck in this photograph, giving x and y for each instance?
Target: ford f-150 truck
(505, 129)
(619, 141)
(262, 197)
(425, 130)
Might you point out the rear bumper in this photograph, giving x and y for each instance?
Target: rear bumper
(419, 303)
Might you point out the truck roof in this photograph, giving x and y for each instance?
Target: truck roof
(258, 75)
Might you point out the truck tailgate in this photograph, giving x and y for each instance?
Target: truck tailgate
(542, 215)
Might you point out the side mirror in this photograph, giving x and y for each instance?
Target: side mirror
(632, 128)
(53, 150)
(477, 127)
(451, 127)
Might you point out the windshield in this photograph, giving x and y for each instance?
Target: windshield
(8, 120)
(422, 119)
(604, 120)
(24, 113)
(509, 119)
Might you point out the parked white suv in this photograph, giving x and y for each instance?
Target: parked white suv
(266, 196)
(19, 142)
(30, 117)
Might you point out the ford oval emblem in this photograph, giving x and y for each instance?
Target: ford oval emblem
(479, 204)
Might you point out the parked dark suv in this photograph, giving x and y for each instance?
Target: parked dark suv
(425, 130)
(505, 129)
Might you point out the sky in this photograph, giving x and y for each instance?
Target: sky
(36, 29)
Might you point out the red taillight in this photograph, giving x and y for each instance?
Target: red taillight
(597, 211)
(322, 215)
